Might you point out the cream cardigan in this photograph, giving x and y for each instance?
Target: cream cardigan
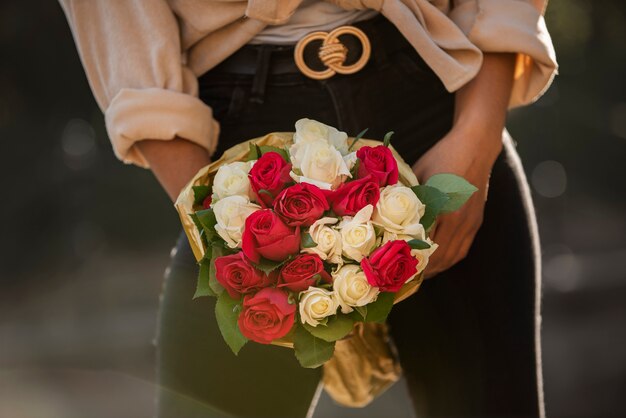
(143, 57)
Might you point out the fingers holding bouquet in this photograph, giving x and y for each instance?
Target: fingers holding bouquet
(470, 157)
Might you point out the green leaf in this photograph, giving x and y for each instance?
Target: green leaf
(267, 192)
(196, 221)
(292, 298)
(267, 148)
(307, 241)
(254, 152)
(378, 310)
(200, 228)
(457, 188)
(200, 193)
(311, 351)
(356, 138)
(356, 316)
(208, 252)
(434, 199)
(267, 266)
(355, 169)
(226, 313)
(362, 310)
(418, 244)
(346, 260)
(203, 288)
(207, 220)
(319, 280)
(329, 214)
(216, 287)
(322, 321)
(379, 230)
(327, 286)
(337, 327)
(387, 138)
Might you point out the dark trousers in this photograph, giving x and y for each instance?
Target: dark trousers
(467, 340)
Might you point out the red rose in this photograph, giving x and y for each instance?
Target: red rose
(206, 203)
(266, 235)
(267, 315)
(302, 272)
(239, 276)
(390, 266)
(379, 162)
(353, 196)
(271, 174)
(301, 204)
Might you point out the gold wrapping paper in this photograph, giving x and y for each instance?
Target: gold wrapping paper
(364, 364)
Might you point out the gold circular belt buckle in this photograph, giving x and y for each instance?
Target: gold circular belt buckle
(332, 53)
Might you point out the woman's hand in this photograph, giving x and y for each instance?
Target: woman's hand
(469, 150)
(471, 156)
(173, 162)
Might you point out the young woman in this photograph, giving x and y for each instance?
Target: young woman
(181, 81)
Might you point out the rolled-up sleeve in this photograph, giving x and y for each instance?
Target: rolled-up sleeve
(514, 26)
(131, 53)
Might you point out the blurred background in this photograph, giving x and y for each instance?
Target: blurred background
(81, 268)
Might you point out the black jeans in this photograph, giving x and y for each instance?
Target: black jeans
(467, 340)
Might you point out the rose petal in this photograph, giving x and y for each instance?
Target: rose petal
(281, 249)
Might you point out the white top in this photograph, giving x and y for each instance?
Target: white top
(311, 16)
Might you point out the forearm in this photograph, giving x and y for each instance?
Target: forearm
(173, 162)
(481, 105)
(469, 150)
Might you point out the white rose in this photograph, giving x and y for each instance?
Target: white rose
(358, 237)
(350, 160)
(232, 180)
(318, 163)
(392, 236)
(308, 130)
(352, 288)
(399, 211)
(316, 304)
(231, 213)
(328, 240)
(422, 256)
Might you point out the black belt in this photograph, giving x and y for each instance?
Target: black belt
(261, 61)
(278, 59)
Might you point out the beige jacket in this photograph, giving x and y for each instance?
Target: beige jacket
(143, 57)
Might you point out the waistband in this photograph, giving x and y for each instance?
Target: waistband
(384, 37)
(262, 61)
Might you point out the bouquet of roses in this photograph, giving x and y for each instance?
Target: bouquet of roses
(300, 236)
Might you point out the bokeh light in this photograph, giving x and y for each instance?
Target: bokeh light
(561, 269)
(549, 179)
(79, 144)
